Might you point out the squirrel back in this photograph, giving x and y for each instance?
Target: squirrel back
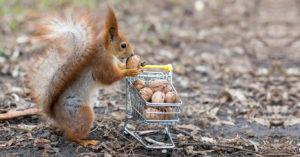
(71, 41)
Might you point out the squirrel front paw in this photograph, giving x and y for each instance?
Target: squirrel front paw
(133, 72)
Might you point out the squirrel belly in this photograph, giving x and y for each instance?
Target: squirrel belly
(82, 91)
(74, 108)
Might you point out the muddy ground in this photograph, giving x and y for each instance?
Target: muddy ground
(236, 69)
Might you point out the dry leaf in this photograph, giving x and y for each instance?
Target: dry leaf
(208, 139)
(262, 121)
(37, 141)
(189, 150)
(237, 94)
(106, 154)
(11, 141)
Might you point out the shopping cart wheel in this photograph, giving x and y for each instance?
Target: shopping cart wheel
(126, 134)
(169, 153)
(166, 137)
(149, 152)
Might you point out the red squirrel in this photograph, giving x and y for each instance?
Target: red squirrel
(78, 60)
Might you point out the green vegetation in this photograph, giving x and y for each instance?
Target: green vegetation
(145, 28)
(22, 8)
(16, 10)
(1, 52)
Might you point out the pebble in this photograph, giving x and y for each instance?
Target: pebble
(2, 61)
(199, 5)
(22, 39)
(14, 57)
(15, 72)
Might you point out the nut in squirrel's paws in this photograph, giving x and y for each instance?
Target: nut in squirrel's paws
(133, 62)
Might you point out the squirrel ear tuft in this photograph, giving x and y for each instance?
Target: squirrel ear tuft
(111, 24)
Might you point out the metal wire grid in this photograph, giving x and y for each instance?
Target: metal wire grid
(137, 105)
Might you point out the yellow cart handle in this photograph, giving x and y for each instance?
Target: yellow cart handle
(168, 67)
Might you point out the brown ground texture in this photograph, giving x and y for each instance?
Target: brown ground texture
(236, 68)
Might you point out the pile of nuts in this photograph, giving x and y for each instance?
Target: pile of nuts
(159, 91)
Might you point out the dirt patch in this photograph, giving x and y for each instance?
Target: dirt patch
(236, 68)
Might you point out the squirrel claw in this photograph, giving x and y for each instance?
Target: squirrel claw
(139, 71)
(85, 143)
(133, 72)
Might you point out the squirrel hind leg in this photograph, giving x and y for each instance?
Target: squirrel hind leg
(78, 125)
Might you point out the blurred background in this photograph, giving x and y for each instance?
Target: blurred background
(236, 68)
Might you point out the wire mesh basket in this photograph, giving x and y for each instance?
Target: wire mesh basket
(138, 109)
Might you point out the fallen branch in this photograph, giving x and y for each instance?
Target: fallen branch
(14, 113)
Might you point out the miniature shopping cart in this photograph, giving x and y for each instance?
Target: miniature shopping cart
(136, 108)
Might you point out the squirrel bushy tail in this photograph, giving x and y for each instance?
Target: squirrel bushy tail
(72, 40)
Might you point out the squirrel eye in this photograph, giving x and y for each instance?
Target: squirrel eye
(123, 45)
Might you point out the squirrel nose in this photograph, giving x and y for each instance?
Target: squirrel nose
(130, 54)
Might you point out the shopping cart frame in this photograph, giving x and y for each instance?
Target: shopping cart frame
(137, 111)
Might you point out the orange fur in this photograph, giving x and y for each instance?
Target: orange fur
(121, 65)
(80, 123)
(110, 24)
(76, 48)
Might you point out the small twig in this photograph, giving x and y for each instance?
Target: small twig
(237, 148)
(220, 145)
(150, 140)
(94, 129)
(182, 131)
(279, 154)
(14, 113)
(147, 132)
